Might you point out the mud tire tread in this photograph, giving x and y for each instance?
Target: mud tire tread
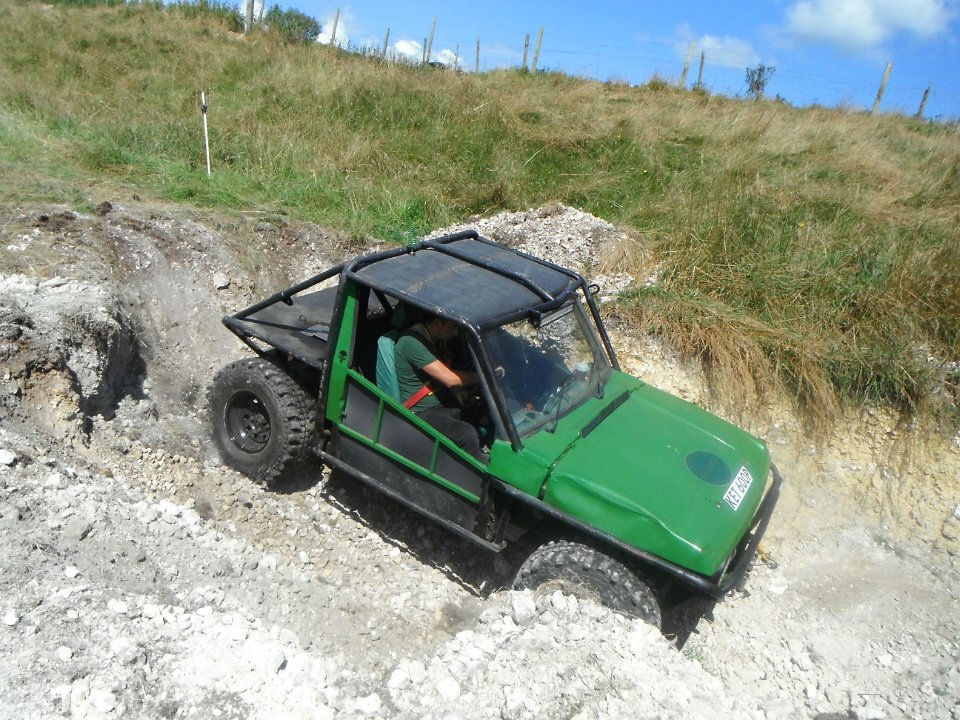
(580, 566)
(292, 414)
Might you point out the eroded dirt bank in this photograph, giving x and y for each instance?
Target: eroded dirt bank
(142, 579)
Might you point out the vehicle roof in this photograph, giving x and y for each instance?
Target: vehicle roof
(468, 277)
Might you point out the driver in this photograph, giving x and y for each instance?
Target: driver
(430, 386)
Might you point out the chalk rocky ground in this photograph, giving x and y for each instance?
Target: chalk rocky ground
(140, 578)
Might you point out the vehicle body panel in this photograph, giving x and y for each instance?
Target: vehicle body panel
(631, 476)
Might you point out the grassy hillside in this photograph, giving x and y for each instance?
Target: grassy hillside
(812, 249)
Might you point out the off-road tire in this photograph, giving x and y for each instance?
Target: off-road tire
(577, 567)
(262, 420)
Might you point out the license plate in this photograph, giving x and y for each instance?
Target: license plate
(738, 488)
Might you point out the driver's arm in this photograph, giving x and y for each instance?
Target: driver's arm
(449, 378)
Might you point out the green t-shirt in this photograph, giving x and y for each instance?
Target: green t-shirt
(412, 354)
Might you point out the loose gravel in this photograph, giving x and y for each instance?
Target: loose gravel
(140, 578)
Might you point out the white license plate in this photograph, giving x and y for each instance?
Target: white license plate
(738, 488)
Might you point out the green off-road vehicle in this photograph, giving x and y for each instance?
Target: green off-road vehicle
(626, 489)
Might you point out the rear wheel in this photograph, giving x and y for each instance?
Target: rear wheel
(578, 568)
(262, 420)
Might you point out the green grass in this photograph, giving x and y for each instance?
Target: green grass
(809, 249)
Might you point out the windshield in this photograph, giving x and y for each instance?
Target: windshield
(546, 370)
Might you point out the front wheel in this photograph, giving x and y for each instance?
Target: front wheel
(262, 420)
(577, 567)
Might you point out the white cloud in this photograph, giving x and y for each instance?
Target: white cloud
(728, 51)
(863, 25)
(724, 51)
(414, 50)
(448, 57)
(345, 23)
(410, 48)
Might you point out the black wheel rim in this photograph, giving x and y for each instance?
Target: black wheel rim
(248, 422)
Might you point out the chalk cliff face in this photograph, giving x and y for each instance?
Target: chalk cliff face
(140, 578)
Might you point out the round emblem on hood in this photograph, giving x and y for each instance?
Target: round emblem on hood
(709, 468)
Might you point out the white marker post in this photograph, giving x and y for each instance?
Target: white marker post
(206, 137)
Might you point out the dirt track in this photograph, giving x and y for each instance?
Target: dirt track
(142, 579)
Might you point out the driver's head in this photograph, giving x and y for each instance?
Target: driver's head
(441, 328)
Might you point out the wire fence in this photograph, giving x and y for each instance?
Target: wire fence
(636, 63)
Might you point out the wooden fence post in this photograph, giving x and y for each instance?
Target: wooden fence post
(456, 58)
(248, 18)
(386, 42)
(433, 29)
(883, 88)
(526, 49)
(333, 33)
(478, 57)
(423, 55)
(923, 103)
(703, 57)
(206, 135)
(536, 53)
(686, 64)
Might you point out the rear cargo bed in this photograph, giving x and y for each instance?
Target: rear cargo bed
(298, 325)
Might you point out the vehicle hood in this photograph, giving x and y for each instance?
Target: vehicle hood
(660, 474)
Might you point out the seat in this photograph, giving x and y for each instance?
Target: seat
(386, 372)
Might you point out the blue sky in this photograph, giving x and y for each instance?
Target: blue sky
(828, 52)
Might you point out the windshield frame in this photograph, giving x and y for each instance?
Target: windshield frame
(586, 321)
